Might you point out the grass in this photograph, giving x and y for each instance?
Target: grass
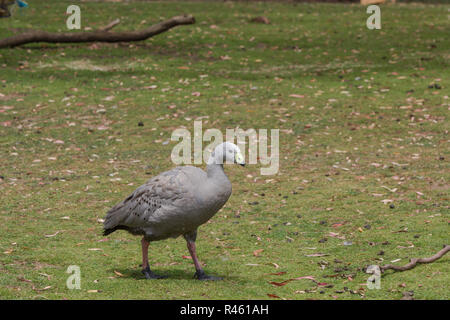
(368, 129)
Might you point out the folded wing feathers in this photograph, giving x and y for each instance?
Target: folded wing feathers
(151, 200)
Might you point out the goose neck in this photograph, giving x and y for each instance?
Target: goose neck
(215, 170)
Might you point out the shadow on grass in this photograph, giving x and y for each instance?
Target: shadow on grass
(172, 274)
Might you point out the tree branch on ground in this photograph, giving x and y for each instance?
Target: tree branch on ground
(413, 262)
(101, 35)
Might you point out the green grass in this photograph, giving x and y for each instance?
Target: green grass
(367, 121)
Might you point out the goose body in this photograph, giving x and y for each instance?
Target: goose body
(174, 203)
(171, 204)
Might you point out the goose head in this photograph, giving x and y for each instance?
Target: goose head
(227, 152)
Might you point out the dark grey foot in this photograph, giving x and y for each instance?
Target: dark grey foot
(200, 275)
(151, 275)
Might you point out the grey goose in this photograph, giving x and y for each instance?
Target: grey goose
(174, 203)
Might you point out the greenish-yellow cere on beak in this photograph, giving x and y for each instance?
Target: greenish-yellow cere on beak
(239, 159)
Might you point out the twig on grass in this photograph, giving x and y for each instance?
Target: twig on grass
(101, 35)
(414, 261)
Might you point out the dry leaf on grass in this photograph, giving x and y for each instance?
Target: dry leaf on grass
(285, 282)
(257, 252)
(43, 289)
(51, 235)
(118, 273)
(300, 96)
(317, 255)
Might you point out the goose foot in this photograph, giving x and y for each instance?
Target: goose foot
(148, 274)
(200, 275)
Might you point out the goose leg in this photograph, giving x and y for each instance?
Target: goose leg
(199, 274)
(145, 265)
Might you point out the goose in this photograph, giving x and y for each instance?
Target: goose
(174, 203)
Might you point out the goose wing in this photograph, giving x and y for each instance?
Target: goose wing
(160, 206)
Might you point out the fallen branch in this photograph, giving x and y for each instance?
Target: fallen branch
(413, 262)
(102, 35)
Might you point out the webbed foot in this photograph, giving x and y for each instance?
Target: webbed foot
(200, 275)
(148, 274)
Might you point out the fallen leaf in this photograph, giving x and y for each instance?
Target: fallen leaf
(337, 225)
(285, 282)
(317, 255)
(118, 273)
(279, 284)
(305, 277)
(45, 288)
(335, 235)
(51, 235)
(257, 252)
(403, 247)
(391, 190)
(376, 165)
(275, 265)
(45, 275)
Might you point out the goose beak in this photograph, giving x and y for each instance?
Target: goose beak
(239, 159)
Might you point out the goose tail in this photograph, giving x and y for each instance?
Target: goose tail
(113, 219)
